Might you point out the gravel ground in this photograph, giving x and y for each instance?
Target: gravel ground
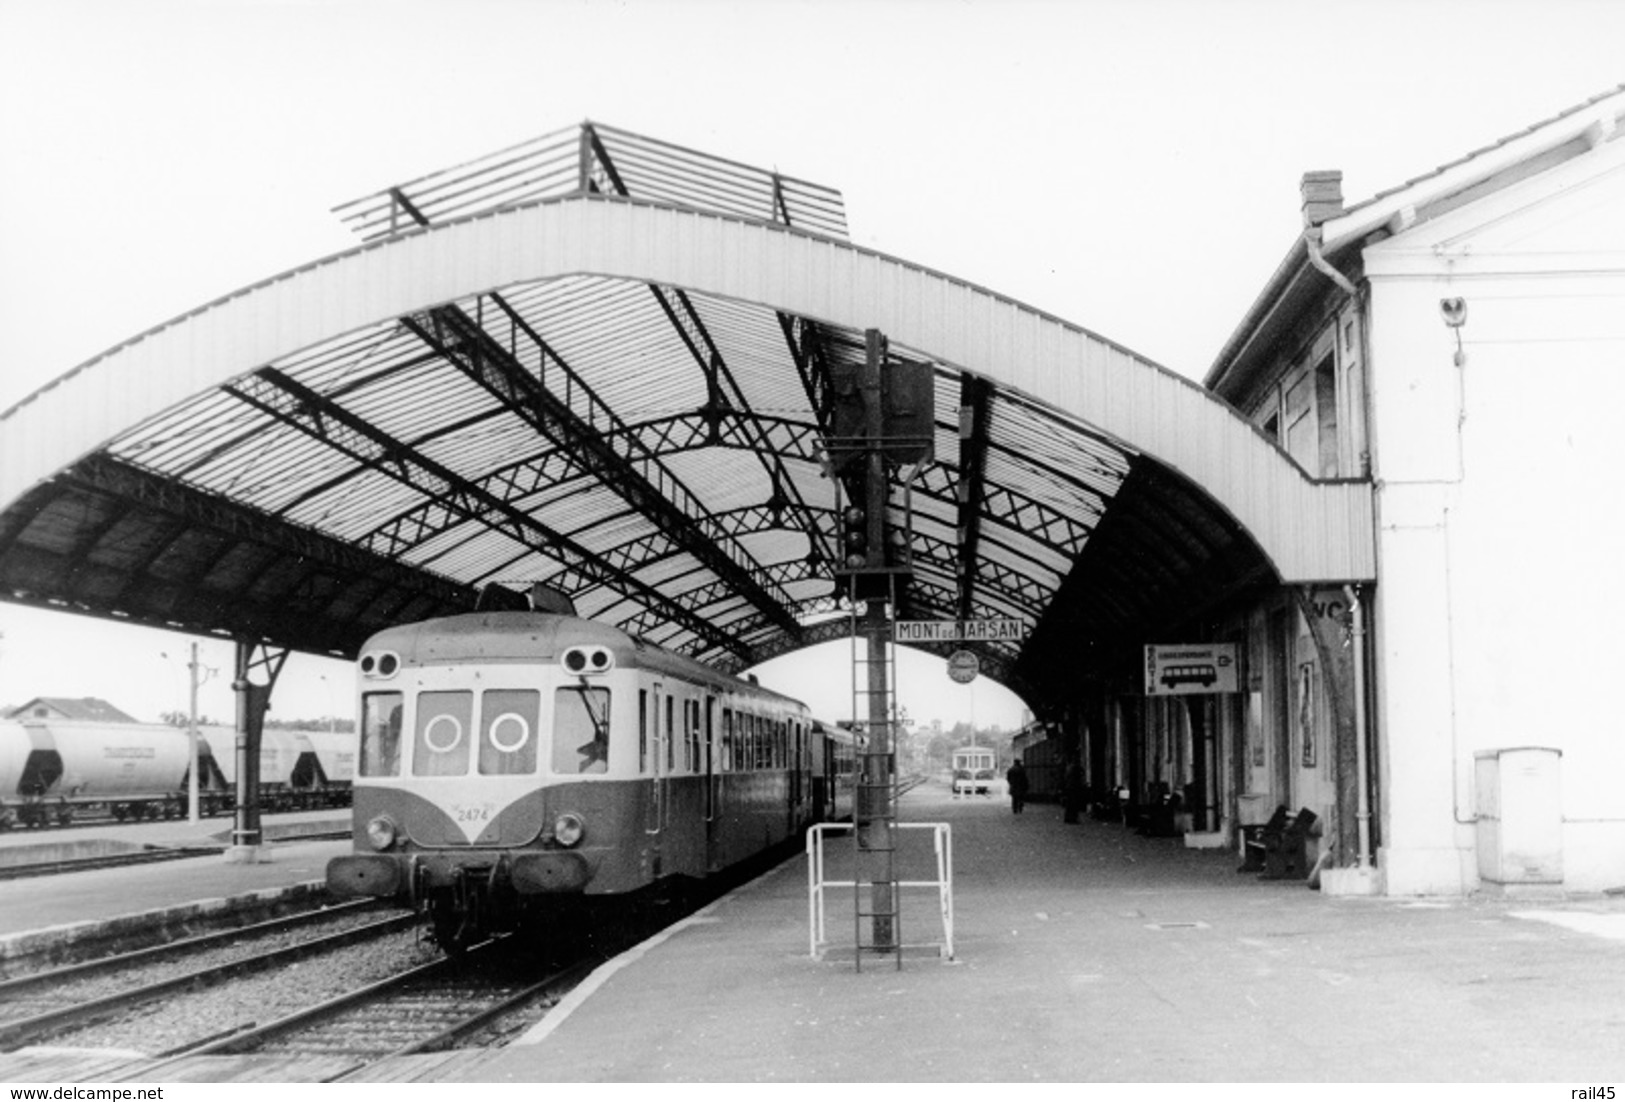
(187, 1017)
(98, 985)
(153, 935)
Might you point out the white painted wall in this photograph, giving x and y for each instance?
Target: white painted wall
(1501, 505)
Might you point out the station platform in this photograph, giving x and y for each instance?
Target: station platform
(1082, 952)
(1086, 952)
(36, 910)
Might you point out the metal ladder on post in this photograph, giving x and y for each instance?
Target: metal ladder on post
(874, 815)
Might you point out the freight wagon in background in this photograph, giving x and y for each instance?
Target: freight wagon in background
(53, 771)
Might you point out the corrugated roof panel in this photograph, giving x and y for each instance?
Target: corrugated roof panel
(661, 571)
(188, 433)
(617, 339)
(486, 450)
(530, 567)
(354, 359)
(577, 503)
(775, 545)
(612, 531)
(753, 346)
(1048, 487)
(419, 402)
(272, 468)
(723, 479)
(359, 504)
(484, 554)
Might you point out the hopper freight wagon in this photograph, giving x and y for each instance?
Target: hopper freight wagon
(52, 772)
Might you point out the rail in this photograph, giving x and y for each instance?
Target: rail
(818, 883)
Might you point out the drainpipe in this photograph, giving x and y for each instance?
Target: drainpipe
(1311, 243)
(1363, 799)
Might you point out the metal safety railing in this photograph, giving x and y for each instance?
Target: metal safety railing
(818, 883)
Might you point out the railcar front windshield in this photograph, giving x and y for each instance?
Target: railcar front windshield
(580, 729)
(441, 742)
(509, 717)
(381, 734)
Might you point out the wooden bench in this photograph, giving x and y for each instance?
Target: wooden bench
(1254, 844)
(1286, 854)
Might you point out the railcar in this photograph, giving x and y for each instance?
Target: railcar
(516, 767)
(52, 771)
(973, 770)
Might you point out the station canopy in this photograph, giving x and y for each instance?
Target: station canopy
(650, 449)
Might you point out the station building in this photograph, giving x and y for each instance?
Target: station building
(1456, 342)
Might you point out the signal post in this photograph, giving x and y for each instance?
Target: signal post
(882, 420)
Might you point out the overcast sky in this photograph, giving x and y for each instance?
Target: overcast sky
(1130, 166)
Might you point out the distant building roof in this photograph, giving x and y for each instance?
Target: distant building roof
(89, 708)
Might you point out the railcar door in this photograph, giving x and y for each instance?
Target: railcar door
(798, 775)
(713, 784)
(655, 763)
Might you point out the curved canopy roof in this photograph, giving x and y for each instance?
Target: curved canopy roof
(605, 364)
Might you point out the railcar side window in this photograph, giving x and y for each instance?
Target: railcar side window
(580, 729)
(643, 730)
(509, 717)
(381, 734)
(671, 733)
(691, 734)
(440, 745)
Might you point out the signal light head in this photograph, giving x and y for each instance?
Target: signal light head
(854, 537)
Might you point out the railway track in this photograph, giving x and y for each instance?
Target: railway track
(47, 1005)
(427, 1008)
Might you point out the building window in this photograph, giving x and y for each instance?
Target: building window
(1326, 415)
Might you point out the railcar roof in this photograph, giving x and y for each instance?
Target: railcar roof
(517, 636)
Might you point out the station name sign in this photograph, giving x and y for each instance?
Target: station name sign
(1181, 668)
(958, 631)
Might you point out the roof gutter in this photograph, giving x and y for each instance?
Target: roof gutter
(1330, 229)
(1593, 122)
(1322, 200)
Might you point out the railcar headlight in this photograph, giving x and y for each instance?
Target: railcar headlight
(381, 832)
(568, 829)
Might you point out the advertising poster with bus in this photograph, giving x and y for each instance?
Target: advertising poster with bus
(1180, 669)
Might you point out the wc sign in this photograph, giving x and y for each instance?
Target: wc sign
(1181, 669)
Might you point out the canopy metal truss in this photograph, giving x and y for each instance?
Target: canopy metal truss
(654, 452)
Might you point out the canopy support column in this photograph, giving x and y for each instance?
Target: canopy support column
(258, 666)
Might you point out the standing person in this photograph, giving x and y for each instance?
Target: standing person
(1016, 778)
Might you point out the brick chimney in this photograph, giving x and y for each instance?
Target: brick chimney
(1322, 196)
